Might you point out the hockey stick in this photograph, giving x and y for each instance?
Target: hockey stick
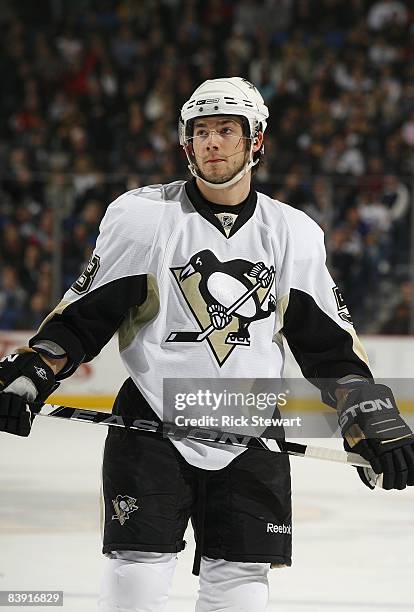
(174, 432)
(190, 336)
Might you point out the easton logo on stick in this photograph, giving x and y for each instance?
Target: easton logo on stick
(173, 431)
(224, 298)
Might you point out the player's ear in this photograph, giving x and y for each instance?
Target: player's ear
(257, 142)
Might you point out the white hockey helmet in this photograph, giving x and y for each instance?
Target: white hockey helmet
(227, 96)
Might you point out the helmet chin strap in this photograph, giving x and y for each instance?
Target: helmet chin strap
(236, 178)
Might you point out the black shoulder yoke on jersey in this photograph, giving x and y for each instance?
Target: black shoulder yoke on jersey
(323, 350)
(85, 326)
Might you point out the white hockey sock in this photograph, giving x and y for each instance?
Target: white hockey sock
(227, 586)
(136, 581)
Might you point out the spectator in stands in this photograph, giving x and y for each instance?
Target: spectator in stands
(12, 298)
(347, 247)
(396, 198)
(399, 321)
(407, 131)
(38, 309)
(387, 13)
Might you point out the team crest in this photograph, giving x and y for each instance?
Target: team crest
(123, 505)
(225, 298)
(227, 221)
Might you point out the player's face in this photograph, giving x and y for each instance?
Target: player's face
(220, 148)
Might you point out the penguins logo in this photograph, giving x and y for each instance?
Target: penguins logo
(227, 221)
(224, 297)
(123, 506)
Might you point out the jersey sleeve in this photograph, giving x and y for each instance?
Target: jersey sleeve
(317, 324)
(114, 280)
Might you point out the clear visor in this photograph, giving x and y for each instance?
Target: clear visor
(225, 133)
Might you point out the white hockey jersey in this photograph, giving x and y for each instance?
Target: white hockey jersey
(203, 291)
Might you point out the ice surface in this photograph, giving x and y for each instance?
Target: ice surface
(353, 548)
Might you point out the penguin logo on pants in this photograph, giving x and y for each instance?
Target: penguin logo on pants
(225, 298)
(123, 505)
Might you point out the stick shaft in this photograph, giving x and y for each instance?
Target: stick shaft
(172, 431)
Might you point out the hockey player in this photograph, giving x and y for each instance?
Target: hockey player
(203, 278)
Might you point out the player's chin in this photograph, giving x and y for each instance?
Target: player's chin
(215, 176)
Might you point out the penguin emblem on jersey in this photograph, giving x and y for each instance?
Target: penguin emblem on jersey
(225, 298)
(123, 505)
(227, 221)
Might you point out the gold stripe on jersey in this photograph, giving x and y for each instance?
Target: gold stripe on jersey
(56, 311)
(357, 346)
(137, 316)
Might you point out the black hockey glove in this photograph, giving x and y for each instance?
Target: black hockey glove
(24, 378)
(372, 426)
